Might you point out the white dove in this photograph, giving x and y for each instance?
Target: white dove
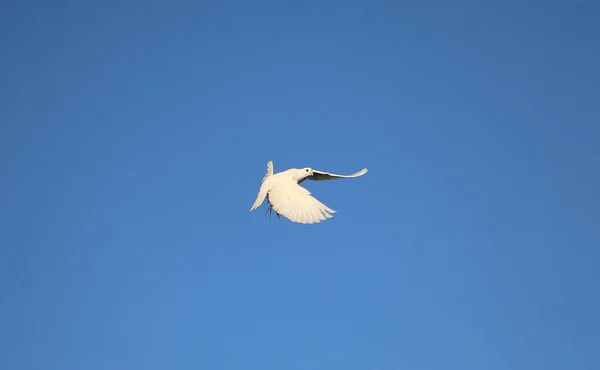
(288, 198)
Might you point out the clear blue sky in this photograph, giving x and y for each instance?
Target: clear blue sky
(134, 135)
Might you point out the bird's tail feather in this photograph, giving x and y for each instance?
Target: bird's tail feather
(262, 193)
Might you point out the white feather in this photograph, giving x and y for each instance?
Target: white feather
(293, 201)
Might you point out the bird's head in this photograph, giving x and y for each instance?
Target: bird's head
(303, 173)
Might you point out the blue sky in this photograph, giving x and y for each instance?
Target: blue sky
(134, 135)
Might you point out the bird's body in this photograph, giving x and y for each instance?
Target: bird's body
(288, 198)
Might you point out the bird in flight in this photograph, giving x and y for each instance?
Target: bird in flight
(285, 195)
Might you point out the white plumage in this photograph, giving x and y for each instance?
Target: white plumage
(288, 198)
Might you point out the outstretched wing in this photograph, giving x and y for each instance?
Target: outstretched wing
(297, 204)
(321, 175)
(262, 192)
(269, 171)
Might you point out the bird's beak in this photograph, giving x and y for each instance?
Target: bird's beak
(311, 172)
